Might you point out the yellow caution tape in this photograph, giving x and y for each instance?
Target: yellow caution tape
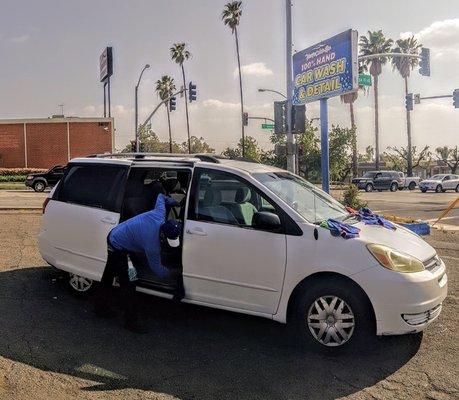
(453, 204)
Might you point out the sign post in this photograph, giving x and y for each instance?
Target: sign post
(327, 69)
(106, 71)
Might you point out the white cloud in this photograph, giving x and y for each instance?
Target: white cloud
(255, 69)
(20, 39)
(218, 104)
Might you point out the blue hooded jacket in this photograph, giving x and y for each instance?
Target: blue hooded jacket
(141, 234)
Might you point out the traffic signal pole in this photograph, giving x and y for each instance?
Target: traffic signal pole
(289, 76)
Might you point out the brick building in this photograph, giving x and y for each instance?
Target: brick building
(44, 142)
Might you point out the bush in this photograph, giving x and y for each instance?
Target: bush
(20, 171)
(351, 198)
(12, 178)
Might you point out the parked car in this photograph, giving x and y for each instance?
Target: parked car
(252, 243)
(379, 180)
(440, 183)
(409, 182)
(39, 182)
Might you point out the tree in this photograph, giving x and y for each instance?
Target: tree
(398, 157)
(150, 143)
(309, 152)
(231, 16)
(369, 155)
(198, 146)
(180, 54)
(404, 66)
(340, 152)
(375, 43)
(251, 150)
(449, 156)
(165, 88)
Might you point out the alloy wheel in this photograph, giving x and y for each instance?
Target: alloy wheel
(80, 283)
(331, 321)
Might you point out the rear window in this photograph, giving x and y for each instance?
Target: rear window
(99, 186)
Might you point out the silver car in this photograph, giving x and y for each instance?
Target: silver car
(440, 183)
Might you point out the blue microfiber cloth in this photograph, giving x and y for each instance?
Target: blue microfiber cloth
(338, 228)
(369, 218)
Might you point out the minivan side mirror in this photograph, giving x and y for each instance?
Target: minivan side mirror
(266, 220)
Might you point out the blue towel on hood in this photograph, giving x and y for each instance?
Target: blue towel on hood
(338, 228)
(369, 218)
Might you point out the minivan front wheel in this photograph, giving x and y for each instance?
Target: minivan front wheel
(79, 285)
(333, 313)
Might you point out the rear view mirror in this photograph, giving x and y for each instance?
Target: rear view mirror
(266, 220)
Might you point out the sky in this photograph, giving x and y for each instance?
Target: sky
(49, 55)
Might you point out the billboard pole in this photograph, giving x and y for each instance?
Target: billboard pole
(324, 158)
(288, 64)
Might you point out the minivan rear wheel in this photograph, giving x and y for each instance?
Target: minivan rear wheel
(332, 313)
(79, 285)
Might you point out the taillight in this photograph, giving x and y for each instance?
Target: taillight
(45, 203)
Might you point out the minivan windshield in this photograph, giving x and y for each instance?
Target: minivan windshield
(306, 199)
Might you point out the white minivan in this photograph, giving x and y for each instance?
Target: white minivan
(251, 243)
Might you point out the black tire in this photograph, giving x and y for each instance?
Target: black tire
(457, 189)
(423, 190)
(79, 292)
(438, 189)
(39, 186)
(364, 330)
(393, 187)
(412, 186)
(369, 187)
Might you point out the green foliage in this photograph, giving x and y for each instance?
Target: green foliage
(252, 150)
(341, 140)
(369, 155)
(12, 178)
(450, 156)
(179, 53)
(165, 87)
(351, 198)
(402, 64)
(198, 145)
(20, 171)
(375, 43)
(397, 158)
(232, 14)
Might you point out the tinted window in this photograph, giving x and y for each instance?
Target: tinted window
(98, 186)
(369, 174)
(227, 199)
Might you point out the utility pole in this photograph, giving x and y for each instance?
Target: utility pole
(288, 64)
(136, 106)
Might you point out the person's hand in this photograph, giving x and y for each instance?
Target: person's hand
(171, 201)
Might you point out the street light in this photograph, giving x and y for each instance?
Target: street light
(261, 90)
(137, 144)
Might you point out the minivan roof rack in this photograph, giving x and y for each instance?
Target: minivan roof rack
(208, 157)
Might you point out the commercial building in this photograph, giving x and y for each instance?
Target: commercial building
(44, 142)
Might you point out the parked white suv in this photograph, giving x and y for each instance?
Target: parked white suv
(251, 243)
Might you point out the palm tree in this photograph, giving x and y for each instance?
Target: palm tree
(404, 66)
(375, 43)
(179, 54)
(165, 87)
(230, 16)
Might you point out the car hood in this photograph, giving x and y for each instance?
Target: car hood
(430, 181)
(401, 239)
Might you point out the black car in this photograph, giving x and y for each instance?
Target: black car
(379, 180)
(40, 182)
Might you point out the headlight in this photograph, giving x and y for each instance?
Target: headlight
(395, 260)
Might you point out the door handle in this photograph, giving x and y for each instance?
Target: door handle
(108, 220)
(196, 231)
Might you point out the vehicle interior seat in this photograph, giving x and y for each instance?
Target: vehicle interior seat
(210, 208)
(242, 208)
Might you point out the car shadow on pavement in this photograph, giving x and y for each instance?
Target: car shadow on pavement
(190, 352)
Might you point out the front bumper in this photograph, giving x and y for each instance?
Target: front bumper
(405, 303)
(360, 184)
(28, 182)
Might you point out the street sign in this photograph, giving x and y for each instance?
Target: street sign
(106, 64)
(267, 126)
(327, 69)
(364, 80)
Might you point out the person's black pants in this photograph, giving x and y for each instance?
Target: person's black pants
(117, 265)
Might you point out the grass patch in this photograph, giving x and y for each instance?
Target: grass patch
(12, 185)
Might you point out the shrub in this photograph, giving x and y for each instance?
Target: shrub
(20, 171)
(351, 198)
(12, 178)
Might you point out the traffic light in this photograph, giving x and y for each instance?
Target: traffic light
(409, 102)
(456, 98)
(173, 103)
(280, 120)
(424, 63)
(299, 119)
(191, 92)
(245, 119)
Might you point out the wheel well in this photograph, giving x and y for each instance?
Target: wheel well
(40, 179)
(311, 279)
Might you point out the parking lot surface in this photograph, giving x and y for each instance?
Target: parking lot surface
(53, 347)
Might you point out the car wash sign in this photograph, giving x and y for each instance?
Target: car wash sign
(327, 69)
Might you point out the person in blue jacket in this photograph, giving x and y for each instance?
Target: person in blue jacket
(140, 234)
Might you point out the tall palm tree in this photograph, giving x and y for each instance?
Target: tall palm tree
(230, 16)
(180, 54)
(404, 66)
(165, 87)
(375, 43)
